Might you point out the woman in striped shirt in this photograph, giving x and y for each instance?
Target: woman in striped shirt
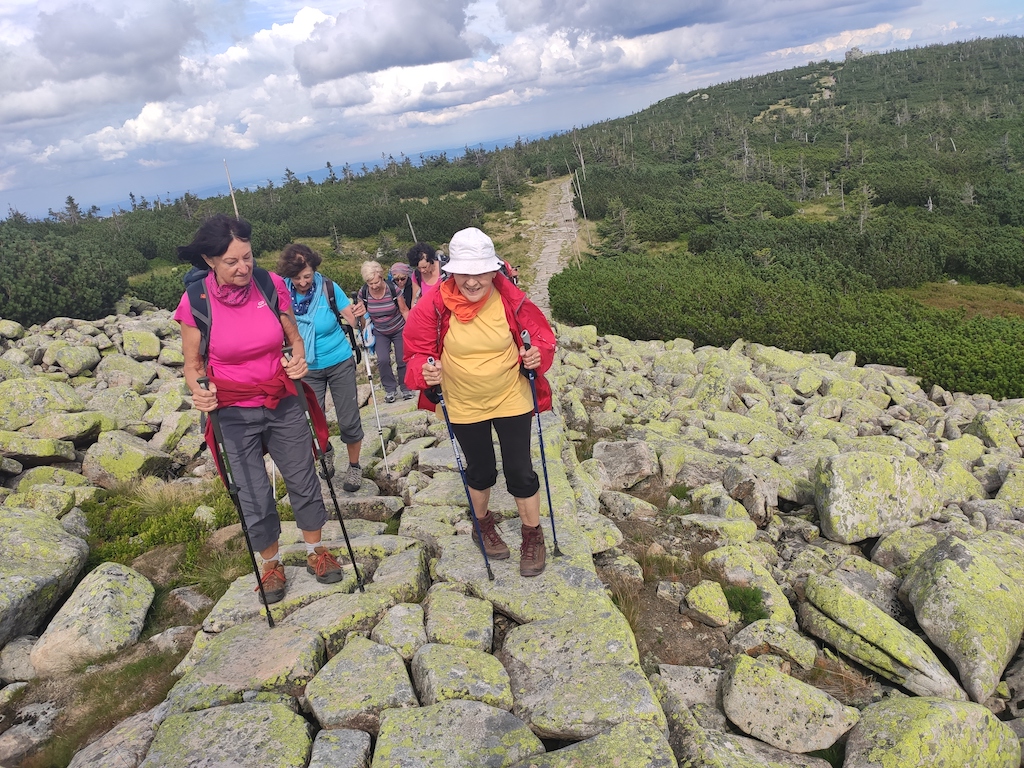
(387, 309)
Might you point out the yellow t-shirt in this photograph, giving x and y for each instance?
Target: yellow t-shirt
(480, 368)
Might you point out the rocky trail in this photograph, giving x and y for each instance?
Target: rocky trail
(874, 531)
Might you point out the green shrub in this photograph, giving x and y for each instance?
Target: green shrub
(747, 601)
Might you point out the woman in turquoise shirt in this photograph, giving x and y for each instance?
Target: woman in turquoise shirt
(329, 354)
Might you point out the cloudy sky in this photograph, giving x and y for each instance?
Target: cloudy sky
(99, 98)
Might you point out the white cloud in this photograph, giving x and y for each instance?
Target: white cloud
(879, 36)
(101, 88)
(386, 33)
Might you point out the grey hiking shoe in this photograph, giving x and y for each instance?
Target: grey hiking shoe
(493, 545)
(353, 479)
(390, 397)
(532, 555)
(408, 394)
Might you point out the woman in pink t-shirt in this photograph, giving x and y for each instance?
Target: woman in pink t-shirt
(251, 388)
(426, 271)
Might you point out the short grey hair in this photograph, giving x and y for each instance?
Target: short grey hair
(369, 269)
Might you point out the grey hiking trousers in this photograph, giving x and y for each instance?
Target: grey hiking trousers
(285, 433)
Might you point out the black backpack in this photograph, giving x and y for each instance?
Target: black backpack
(332, 302)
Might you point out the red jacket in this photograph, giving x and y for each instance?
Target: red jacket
(427, 324)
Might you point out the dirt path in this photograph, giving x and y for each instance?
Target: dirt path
(552, 247)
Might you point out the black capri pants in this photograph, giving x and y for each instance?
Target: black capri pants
(514, 441)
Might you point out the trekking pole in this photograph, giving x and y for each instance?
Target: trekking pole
(462, 473)
(322, 458)
(532, 376)
(376, 413)
(229, 482)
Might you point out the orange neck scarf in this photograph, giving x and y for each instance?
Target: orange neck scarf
(463, 309)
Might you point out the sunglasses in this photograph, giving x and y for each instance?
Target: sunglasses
(400, 278)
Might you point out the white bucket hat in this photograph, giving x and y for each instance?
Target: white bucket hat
(471, 252)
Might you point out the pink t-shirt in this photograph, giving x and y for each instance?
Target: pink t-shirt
(245, 341)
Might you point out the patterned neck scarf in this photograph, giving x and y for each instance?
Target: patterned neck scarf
(231, 295)
(301, 305)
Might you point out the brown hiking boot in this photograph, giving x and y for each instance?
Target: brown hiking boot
(324, 566)
(533, 554)
(273, 581)
(493, 545)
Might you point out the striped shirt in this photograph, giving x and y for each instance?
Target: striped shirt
(384, 312)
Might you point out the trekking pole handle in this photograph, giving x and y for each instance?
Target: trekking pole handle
(525, 336)
(287, 352)
(203, 382)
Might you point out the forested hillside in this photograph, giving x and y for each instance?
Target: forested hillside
(799, 195)
(784, 208)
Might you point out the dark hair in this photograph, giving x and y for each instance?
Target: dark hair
(213, 238)
(421, 251)
(296, 257)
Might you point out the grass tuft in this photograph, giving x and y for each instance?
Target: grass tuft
(625, 594)
(747, 601)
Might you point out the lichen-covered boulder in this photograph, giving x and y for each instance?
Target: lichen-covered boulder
(571, 684)
(39, 564)
(777, 638)
(693, 688)
(860, 495)
(627, 462)
(403, 576)
(402, 628)
(76, 360)
(735, 565)
(241, 602)
(458, 620)
(121, 371)
(118, 457)
(626, 745)
(897, 551)
(991, 427)
(930, 732)
(707, 603)
(873, 583)
(357, 685)
(694, 745)
(780, 710)
(22, 401)
(31, 451)
(166, 403)
(969, 608)
(455, 734)
(248, 734)
(443, 672)
(78, 428)
(249, 657)
(140, 344)
(104, 614)
(123, 746)
(691, 466)
(120, 403)
(341, 748)
(856, 627)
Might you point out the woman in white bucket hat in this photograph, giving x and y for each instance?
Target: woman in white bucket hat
(470, 327)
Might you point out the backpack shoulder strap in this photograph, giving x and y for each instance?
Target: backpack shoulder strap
(332, 301)
(202, 313)
(266, 287)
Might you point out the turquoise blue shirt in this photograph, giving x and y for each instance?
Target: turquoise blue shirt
(331, 345)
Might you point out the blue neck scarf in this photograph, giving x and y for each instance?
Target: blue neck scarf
(305, 313)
